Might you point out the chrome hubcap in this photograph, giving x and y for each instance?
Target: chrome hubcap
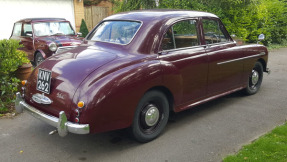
(39, 61)
(151, 116)
(254, 77)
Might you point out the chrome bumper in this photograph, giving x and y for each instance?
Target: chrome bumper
(62, 124)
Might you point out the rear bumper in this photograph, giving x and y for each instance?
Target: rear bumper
(62, 124)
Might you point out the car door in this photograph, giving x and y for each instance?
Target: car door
(181, 50)
(27, 40)
(23, 33)
(225, 68)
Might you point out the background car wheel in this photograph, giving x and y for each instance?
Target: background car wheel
(38, 58)
(151, 116)
(255, 79)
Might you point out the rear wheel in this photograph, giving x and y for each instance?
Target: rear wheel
(255, 79)
(38, 58)
(151, 116)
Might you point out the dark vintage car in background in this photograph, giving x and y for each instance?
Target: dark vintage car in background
(43, 37)
(134, 68)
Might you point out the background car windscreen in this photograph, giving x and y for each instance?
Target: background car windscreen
(119, 32)
(53, 28)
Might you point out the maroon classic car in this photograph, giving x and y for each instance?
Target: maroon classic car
(43, 37)
(134, 68)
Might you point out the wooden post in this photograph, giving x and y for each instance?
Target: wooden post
(79, 13)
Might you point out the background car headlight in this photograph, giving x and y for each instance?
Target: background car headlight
(53, 46)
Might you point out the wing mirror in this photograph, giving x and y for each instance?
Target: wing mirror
(79, 34)
(261, 37)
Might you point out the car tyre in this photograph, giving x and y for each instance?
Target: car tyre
(38, 58)
(151, 116)
(255, 79)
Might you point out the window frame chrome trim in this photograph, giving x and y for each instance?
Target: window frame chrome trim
(94, 30)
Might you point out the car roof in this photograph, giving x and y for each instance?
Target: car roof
(41, 19)
(159, 15)
(154, 24)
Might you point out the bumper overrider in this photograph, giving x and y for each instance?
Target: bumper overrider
(62, 124)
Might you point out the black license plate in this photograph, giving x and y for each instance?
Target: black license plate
(44, 81)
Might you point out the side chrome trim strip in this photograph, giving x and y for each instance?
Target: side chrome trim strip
(209, 99)
(243, 58)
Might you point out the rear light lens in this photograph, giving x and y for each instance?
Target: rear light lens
(77, 112)
(23, 82)
(77, 120)
(81, 104)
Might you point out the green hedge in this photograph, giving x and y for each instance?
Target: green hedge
(10, 59)
(244, 18)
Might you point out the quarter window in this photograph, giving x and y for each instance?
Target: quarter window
(181, 35)
(17, 29)
(213, 32)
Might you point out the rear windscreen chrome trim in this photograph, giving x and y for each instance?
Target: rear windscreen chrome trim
(141, 23)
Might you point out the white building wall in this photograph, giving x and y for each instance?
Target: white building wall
(14, 10)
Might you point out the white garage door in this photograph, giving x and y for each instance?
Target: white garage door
(14, 10)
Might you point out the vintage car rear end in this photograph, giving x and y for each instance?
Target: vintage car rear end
(54, 94)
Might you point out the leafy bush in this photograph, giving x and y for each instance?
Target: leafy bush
(244, 18)
(90, 3)
(84, 29)
(10, 59)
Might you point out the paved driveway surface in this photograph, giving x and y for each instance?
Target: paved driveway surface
(205, 133)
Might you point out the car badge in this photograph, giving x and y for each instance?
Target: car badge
(59, 95)
(41, 99)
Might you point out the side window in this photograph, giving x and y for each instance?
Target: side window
(17, 29)
(27, 29)
(213, 32)
(180, 35)
(168, 40)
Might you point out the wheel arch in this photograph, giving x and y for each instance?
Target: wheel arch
(167, 93)
(263, 63)
(41, 52)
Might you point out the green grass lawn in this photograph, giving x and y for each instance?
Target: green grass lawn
(276, 46)
(270, 147)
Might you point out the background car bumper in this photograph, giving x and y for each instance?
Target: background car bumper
(63, 126)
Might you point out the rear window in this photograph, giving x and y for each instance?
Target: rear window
(118, 32)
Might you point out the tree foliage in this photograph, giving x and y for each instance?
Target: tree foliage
(84, 29)
(129, 5)
(244, 18)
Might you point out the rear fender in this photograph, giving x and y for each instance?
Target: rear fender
(112, 99)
